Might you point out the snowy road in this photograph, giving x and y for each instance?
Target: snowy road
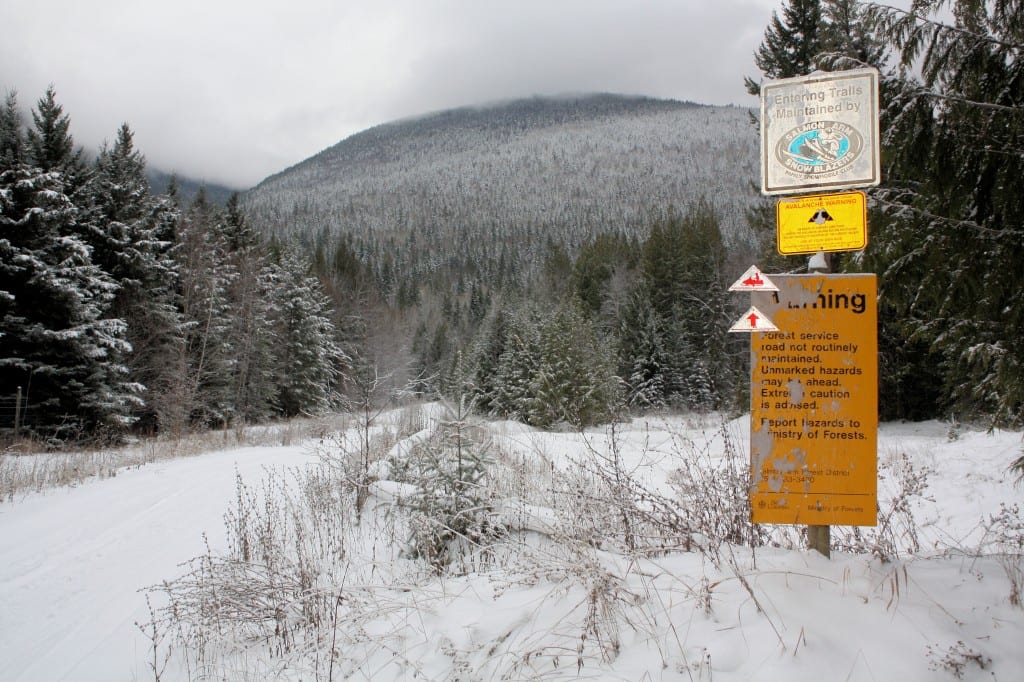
(72, 561)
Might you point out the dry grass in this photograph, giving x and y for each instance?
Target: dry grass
(27, 467)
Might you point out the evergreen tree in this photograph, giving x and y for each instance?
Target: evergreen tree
(950, 245)
(132, 236)
(453, 513)
(12, 140)
(248, 289)
(682, 273)
(50, 145)
(848, 40)
(55, 343)
(517, 365)
(433, 347)
(791, 43)
(202, 392)
(573, 380)
(556, 274)
(308, 355)
(239, 236)
(57, 336)
(545, 368)
(485, 361)
(478, 303)
(643, 360)
(596, 268)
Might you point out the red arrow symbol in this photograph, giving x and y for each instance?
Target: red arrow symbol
(753, 321)
(753, 281)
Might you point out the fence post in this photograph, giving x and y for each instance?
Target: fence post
(17, 411)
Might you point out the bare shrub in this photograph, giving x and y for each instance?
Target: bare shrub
(1004, 538)
(585, 507)
(714, 487)
(277, 583)
(159, 655)
(358, 456)
(707, 504)
(956, 659)
(597, 600)
(281, 584)
(21, 474)
(325, 573)
(369, 400)
(519, 475)
(896, 534)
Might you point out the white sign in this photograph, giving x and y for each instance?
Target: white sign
(753, 321)
(753, 280)
(820, 132)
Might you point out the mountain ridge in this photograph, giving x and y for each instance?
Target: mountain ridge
(603, 160)
(507, 111)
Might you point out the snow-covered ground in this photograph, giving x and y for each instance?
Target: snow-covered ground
(74, 560)
(75, 564)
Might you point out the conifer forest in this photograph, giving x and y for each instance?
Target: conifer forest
(559, 261)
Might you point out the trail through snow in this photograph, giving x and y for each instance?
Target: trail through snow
(73, 561)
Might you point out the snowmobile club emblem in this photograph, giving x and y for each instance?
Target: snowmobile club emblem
(819, 149)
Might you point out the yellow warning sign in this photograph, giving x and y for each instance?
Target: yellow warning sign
(814, 402)
(822, 222)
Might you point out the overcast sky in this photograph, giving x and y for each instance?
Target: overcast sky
(231, 91)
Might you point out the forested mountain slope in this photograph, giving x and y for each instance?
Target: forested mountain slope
(506, 179)
(431, 229)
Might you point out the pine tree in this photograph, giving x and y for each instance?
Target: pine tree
(551, 368)
(249, 289)
(54, 341)
(308, 355)
(132, 236)
(453, 510)
(643, 360)
(517, 366)
(12, 141)
(950, 244)
(50, 145)
(681, 272)
(57, 340)
(556, 274)
(848, 41)
(596, 269)
(202, 390)
(573, 380)
(791, 43)
(489, 346)
(479, 303)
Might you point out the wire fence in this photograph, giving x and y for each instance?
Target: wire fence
(15, 413)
